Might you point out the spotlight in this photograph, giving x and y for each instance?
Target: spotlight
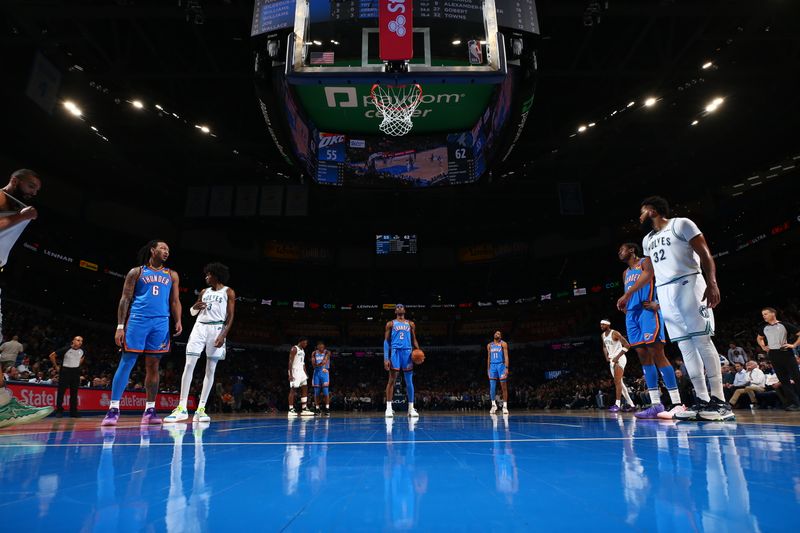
(72, 108)
(204, 129)
(318, 43)
(707, 65)
(695, 122)
(456, 42)
(137, 104)
(714, 105)
(650, 102)
(581, 128)
(631, 104)
(591, 124)
(159, 107)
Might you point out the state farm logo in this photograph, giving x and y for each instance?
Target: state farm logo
(398, 25)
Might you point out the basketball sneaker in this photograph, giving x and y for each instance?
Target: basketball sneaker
(14, 413)
(201, 416)
(306, 412)
(292, 413)
(717, 411)
(505, 410)
(389, 412)
(651, 413)
(672, 413)
(150, 417)
(112, 417)
(614, 409)
(691, 413)
(413, 412)
(180, 413)
(493, 410)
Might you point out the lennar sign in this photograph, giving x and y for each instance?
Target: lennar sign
(347, 97)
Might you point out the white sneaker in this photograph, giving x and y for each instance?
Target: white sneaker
(413, 412)
(306, 412)
(669, 415)
(180, 413)
(389, 413)
(493, 410)
(201, 416)
(505, 410)
(292, 413)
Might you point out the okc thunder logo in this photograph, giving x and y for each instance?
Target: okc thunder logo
(703, 311)
(398, 26)
(648, 336)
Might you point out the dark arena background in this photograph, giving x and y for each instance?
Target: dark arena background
(245, 132)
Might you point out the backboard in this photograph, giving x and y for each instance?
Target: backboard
(454, 41)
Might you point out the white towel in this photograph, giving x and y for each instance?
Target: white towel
(9, 236)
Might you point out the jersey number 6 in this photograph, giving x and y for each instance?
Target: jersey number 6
(155, 290)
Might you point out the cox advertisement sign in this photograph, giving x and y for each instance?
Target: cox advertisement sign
(91, 399)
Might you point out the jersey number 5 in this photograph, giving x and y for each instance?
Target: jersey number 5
(659, 256)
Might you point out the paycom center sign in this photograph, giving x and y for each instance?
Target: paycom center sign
(349, 108)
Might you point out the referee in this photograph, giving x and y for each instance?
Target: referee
(69, 375)
(779, 339)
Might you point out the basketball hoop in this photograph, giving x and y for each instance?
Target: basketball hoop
(397, 104)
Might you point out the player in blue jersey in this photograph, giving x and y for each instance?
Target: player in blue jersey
(149, 296)
(497, 367)
(399, 340)
(321, 361)
(645, 327)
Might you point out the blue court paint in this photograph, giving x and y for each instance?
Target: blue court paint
(466, 473)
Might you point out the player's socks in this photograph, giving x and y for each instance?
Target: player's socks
(303, 401)
(186, 378)
(208, 380)
(710, 356)
(114, 404)
(149, 405)
(328, 406)
(618, 403)
(651, 379)
(123, 373)
(671, 382)
(694, 366)
(626, 394)
(409, 378)
(201, 404)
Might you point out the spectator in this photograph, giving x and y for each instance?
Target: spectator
(684, 387)
(10, 350)
(739, 381)
(736, 354)
(756, 381)
(69, 375)
(24, 368)
(779, 339)
(727, 376)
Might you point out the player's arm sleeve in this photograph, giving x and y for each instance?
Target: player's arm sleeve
(685, 229)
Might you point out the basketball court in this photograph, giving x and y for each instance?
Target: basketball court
(443, 472)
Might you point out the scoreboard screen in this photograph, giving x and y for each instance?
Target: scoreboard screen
(395, 244)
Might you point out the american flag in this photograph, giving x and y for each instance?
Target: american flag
(322, 58)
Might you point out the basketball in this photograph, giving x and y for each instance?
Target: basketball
(418, 356)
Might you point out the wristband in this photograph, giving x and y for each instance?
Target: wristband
(624, 350)
(120, 326)
(193, 311)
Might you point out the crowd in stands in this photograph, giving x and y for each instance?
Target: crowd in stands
(252, 379)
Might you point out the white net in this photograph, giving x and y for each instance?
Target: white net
(396, 104)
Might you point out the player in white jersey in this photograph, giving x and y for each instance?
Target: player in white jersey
(298, 379)
(214, 309)
(679, 255)
(15, 216)
(615, 348)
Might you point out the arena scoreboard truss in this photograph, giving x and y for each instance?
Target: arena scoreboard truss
(395, 244)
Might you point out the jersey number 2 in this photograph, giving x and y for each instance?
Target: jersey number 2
(659, 256)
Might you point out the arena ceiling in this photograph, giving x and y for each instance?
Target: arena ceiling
(193, 58)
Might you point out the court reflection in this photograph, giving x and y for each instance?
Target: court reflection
(506, 476)
(188, 511)
(404, 483)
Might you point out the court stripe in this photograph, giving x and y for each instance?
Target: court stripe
(365, 442)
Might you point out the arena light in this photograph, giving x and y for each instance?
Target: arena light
(137, 104)
(456, 42)
(72, 108)
(93, 128)
(581, 128)
(695, 122)
(650, 102)
(159, 107)
(707, 65)
(592, 124)
(631, 104)
(203, 128)
(318, 43)
(714, 105)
